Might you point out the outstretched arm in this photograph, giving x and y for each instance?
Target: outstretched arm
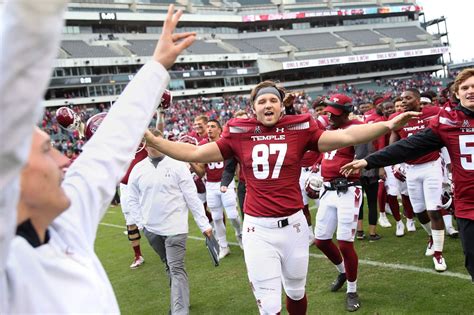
(357, 134)
(90, 181)
(186, 152)
(410, 148)
(29, 41)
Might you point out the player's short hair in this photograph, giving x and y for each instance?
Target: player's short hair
(461, 77)
(216, 122)
(156, 132)
(240, 113)
(265, 84)
(414, 91)
(397, 99)
(202, 118)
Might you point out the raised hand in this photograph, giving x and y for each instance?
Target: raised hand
(353, 167)
(399, 121)
(171, 45)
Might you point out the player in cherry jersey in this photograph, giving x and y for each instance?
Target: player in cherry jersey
(219, 197)
(394, 186)
(269, 148)
(453, 129)
(132, 228)
(424, 178)
(339, 204)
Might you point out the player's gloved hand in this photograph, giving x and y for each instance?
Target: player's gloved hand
(223, 189)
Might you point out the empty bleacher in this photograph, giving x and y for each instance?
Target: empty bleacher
(360, 37)
(200, 47)
(142, 47)
(79, 49)
(262, 44)
(408, 34)
(312, 41)
(242, 46)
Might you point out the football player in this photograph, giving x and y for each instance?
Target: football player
(453, 129)
(269, 148)
(219, 197)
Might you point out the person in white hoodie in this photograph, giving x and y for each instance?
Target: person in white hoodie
(160, 192)
(50, 264)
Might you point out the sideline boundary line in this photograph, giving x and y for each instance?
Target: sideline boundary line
(361, 261)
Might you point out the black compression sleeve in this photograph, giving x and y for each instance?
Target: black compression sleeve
(409, 148)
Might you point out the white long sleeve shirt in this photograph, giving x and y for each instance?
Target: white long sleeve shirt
(29, 41)
(65, 275)
(163, 195)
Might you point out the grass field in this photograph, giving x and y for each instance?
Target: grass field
(394, 276)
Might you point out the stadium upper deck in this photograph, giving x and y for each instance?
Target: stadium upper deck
(304, 44)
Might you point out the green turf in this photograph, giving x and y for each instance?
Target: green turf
(225, 289)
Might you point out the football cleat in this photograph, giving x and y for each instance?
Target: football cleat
(429, 249)
(452, 232)
(383, 221)
(439, 263)
(374, 237)
(411, 225)
(339, 282)
(352, 301)
(360, 235)
(400, 229)
(137, 262)
(224, 251)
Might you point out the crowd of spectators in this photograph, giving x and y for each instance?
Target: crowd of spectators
(180, 115)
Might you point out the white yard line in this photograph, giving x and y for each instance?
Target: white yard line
(361, 261)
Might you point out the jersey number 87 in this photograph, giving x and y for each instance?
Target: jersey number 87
(260, 156)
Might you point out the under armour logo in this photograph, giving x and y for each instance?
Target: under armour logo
(251, 229)
(257, 130)
(297, 227)
(465, 123)
(280, 129)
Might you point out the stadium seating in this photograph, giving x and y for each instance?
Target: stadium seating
(408, 34)
(79, 49)
(141, 47)
(360, 37)
(312, 41)
(201, 47)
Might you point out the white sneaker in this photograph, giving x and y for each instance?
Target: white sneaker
(223, 252)
(387, 209)
(429, 249)
(137, 262)
(452, 232)
(439, 263)
(411, 225)
(400, 229)
(383, 221)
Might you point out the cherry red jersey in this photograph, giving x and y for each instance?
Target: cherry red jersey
(140, 155)
(334, 160)
(416, 125)
(197, 136)
(309, 158)
(270, 158)
(384, 140)
(456, 130)
(374, 117)
(214, 170)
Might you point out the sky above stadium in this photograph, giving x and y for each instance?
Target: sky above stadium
(458, 17)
